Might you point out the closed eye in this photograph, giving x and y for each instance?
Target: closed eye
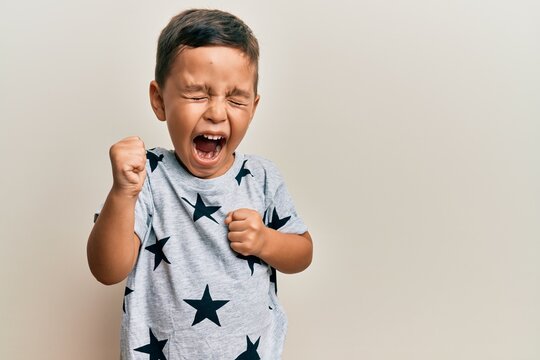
(237, 103)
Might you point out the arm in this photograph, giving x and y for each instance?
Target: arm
(288, 253)
(113, 246)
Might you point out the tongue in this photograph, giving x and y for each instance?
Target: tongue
(204, 144)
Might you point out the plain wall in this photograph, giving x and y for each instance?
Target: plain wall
(408, 133)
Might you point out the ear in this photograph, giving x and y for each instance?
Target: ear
(255, 103)
(156, 100)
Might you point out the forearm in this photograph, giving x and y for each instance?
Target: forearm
(112, 249)
(288, 253)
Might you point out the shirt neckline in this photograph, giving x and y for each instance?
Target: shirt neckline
(205, 184)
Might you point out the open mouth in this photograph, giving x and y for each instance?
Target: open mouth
(208, 146)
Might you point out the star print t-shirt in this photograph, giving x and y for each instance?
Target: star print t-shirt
(190, 296)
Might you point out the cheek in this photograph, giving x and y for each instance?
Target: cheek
(181, 121)
(238, 130)
(179, 133)
(180, 110)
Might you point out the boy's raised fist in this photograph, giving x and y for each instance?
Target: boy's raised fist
(128, 161)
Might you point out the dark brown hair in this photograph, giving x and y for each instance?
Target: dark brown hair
(202, 27)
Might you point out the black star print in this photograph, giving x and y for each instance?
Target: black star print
(154, 349)
(126, 293)
(201, 209)
(154, 159)
(251, 259)
(276, 222)
(206, 308)
(243, 172)
(273, 278)
(157, 250)
(251, 351)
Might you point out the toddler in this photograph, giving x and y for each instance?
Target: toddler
(200, 230)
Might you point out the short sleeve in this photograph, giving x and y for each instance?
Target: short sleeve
(280, 213)
(144, 209)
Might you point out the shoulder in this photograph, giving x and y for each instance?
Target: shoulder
(265, 172)
(261, 163)
(159, 153)
(155, 156)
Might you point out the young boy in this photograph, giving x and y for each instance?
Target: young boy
(195, 230)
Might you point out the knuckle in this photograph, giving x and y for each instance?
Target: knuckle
(113, 149)
(141, 160)
(125, 170)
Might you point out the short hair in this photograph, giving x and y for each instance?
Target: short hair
(204, 27)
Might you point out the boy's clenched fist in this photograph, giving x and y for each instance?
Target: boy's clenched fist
(246, 231)
(128, 161)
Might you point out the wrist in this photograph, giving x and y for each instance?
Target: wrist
(266, 236)
(123, 194)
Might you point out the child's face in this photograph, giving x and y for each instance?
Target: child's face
(208, 101)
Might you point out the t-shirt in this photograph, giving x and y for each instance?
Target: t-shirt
(190, 296)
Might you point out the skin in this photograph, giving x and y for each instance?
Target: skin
(209, 90)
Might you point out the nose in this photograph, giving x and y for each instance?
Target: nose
(216, 111)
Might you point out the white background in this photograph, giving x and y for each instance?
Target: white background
(408, 133)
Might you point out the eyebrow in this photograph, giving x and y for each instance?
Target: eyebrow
(195, 88)
(240, 92)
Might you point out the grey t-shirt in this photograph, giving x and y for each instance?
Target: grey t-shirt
(190, 296)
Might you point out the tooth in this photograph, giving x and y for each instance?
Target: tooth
(218, 149)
